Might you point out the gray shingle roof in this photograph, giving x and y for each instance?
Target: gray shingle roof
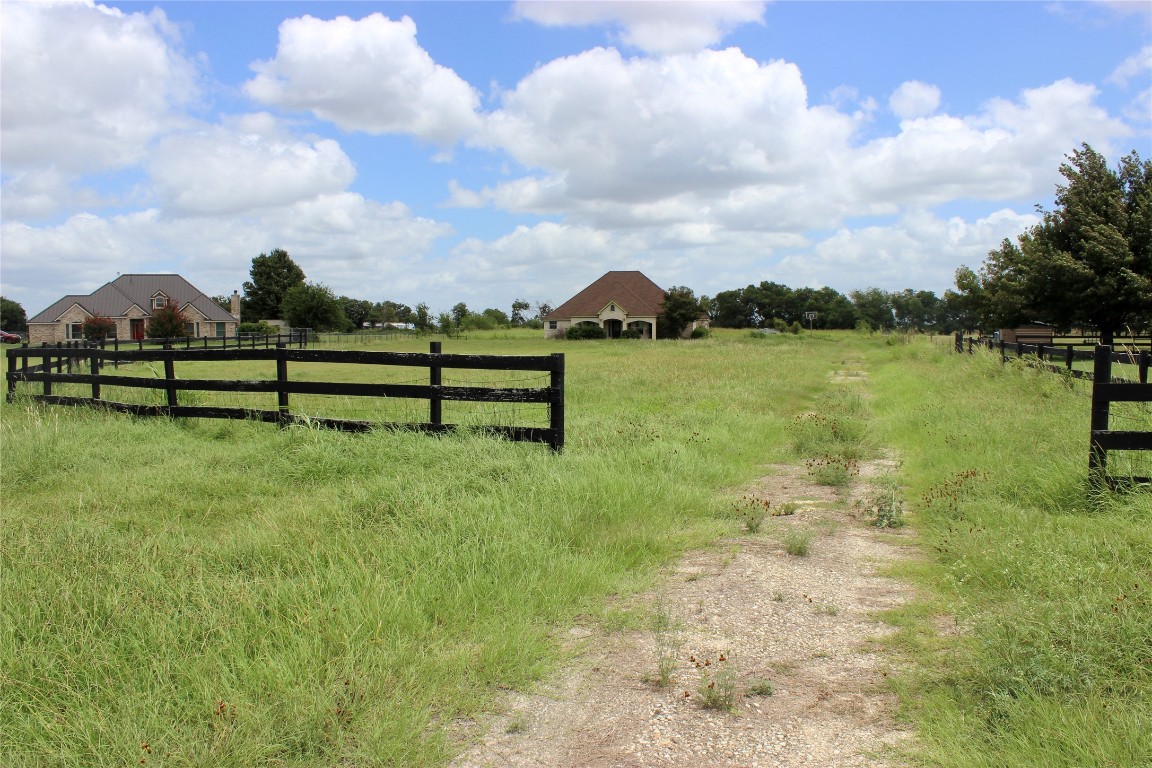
(114, 299)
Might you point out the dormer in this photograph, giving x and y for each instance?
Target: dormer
(159, 300)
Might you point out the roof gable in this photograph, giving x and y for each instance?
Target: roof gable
(116, 298)
(631, 290)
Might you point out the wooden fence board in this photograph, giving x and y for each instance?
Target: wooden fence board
(55, 360)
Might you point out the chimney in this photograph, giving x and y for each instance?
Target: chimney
(234, 309)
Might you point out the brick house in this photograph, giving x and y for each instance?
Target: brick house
(129, 301)
(617, 302)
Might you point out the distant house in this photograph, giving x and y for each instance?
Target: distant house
(129, 301)
(617, 302)
(1029, 333)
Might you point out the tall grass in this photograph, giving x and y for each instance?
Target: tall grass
(201, 593)
(1050, 585)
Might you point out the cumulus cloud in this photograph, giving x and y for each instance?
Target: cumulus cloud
(679, 27)
(356, 246)
(221, 170)
(914, 99)
(86, 87)
(366, 75)
(609, 131)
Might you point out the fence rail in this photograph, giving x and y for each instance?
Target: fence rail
(1105, 391)
(58, 365)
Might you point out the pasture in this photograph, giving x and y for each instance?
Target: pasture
(187, 592)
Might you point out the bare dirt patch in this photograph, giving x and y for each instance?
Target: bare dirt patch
(803, 626)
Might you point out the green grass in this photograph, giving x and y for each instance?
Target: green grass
(234, 595)
(1050, 586)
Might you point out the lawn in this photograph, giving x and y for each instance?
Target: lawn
(206, 593)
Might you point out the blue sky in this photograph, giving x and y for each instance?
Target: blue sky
(482, 152)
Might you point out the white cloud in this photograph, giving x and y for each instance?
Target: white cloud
(625, 138)
(368, 75)
(86, 87)
(914, 99)
(918, 250)
(655, 27)
(220, 170)
(355, 246)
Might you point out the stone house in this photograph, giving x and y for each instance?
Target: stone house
(129, 301)
(617, 302)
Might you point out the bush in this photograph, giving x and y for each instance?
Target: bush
(257, 329)
(701, 332)
(631, 334)
(98, 327)
(582, 331)
(167, 322)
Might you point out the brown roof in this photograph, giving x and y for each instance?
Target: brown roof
(631, 291)
(114, 299)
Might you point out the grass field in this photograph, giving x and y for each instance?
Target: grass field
(203, 593)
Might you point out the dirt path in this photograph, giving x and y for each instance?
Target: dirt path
(804, 625)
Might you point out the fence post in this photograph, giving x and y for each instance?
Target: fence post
(435, 404)
(94, 369)
(1145, 362)
(1068, 355)
(556, 402)
(11, 370)
(959, 342)
(47, 369)
(1101, 374)
(170, 377)
(284, 417)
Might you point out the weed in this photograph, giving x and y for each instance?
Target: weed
(517, 724)
(826, 609)
(752, 511)
(884, 509)
(667, 643)
(761, 688)
(717, 689)
(785, 509)
(798, 541)
(777, 597)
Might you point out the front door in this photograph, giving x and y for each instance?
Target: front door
(612, 328)
(137, 328)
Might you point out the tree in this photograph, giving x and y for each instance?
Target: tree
(167, 322)
(313, 305)
(98, 327)
(459, 312)
(12, 316)
(680, 309)
(273, 274)
(875, 308)
(519, 307)
(543, 309)
(358, 311)
(423, 318)
(1087, 263)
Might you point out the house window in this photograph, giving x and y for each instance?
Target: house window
(159, 302)
(192, 329)
(221, 329)
(551, 325)
(611, 307)
(75, 331)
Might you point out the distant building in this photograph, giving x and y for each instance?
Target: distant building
(129, 301)
(616, 302)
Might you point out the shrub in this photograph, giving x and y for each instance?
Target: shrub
(701, 332)
(98, 327)
(631, 334)
(582, 331)
(259, 329)
(167, 322)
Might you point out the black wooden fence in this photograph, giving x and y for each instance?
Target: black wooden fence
(60, 364)
(1105, 391)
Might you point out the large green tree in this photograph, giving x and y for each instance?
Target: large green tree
(273, 274)
(1088, 263)
(12, 316)
(680, 309)
(315, 306)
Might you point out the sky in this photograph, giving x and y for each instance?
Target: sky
(483, 152)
